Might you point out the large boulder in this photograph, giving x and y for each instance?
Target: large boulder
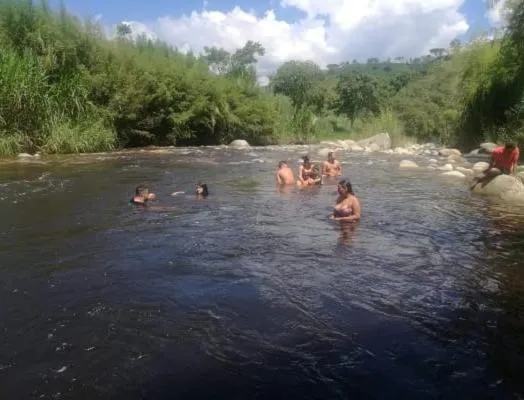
(382, 140)
(505, 187)
(240, 143)
(480, 166)
(454, 174)
(487, 148)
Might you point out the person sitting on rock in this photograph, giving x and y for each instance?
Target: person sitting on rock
(503, 161)
(331, 167)
(284, 174)
(308, 174)
(142, 196)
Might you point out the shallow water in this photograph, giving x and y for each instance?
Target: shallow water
(254, 292)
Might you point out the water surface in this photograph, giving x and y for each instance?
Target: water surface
(254, 292)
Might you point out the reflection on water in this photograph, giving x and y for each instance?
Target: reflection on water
(254, 292)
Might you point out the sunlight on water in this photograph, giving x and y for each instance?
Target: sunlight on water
(254, 292)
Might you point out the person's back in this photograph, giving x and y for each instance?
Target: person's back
(285, 175)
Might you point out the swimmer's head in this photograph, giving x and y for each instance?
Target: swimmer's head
(344, 187)
(509, 146)
(201, 190)
(306, 162)
(330, 156)
(142, 191)
(282, 164)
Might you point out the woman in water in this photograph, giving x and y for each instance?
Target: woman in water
(307, 173)
(201, 190)
(347, 207)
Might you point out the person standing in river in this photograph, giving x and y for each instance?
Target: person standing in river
(504, 159)
(142, 196)
(331, 166)
(284, 174)
(308, 174)
(347, 207)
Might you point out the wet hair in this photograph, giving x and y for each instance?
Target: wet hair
(205, 191)
(509, 146)
(306, 160)
(347, 185)
(330, 154)
(141, 190)
(281, 164)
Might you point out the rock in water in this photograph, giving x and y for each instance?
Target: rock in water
(405, 164)
(487, 148)
(239, 143)
(382, 141)
(506, 187)
(454, 174)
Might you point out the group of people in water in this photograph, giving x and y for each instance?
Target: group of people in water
(347, 205)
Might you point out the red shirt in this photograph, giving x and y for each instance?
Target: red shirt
(504, 159)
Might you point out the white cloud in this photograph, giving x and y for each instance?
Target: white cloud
(496, 12)
(333, 31)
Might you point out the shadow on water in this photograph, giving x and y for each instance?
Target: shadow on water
(254, 292)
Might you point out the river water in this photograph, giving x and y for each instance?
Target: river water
(254, 292)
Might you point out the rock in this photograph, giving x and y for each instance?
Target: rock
(487, 148)
(239, 143)
(474, 152)
(382, 140)
(433, 161)
(373, 147)
(25, 155)
(520, 175)
(465, 171)
(345, 144)
(506, 187)
(520, 168)
(406, 164)
(454, 174)
(448, 152)
(401, 150)
(453, 158)
(447, 167)
(480, 166)
(355, 147)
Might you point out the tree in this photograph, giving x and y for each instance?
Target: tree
(297, 80)
(123, 30)
(358, 94)
(437, 52)
(373, 60)
(219, 60)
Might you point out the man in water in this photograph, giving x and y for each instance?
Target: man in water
(331, 167)
(284, 174)
(142, 196)
(503, 161)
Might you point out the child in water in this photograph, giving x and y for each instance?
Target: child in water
(201, 190)
(142, 196)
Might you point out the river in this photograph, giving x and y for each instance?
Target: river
(254, 292)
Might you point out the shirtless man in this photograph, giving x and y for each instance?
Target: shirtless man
(331, 167)
(284, 174)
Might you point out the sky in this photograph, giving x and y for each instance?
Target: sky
(324, 31)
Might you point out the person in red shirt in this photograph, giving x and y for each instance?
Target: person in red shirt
(503, 161)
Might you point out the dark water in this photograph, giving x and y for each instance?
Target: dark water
(254, 293)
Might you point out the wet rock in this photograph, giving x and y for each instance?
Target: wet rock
(474, 152)
(346, 144)
(506, 187)
(406, 164)
(480, 166)
(372, 148)
(239, 143)
(355, 148)
(465, 171)
(382, 140)
(447, 152)
(24, 155)
(432, 161)
(402, 150)
(447, 167)
(454, 174)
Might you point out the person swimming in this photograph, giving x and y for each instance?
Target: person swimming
(201, 190)
(331, 166)
(142, 196)
(347, 207)
(308, 173)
